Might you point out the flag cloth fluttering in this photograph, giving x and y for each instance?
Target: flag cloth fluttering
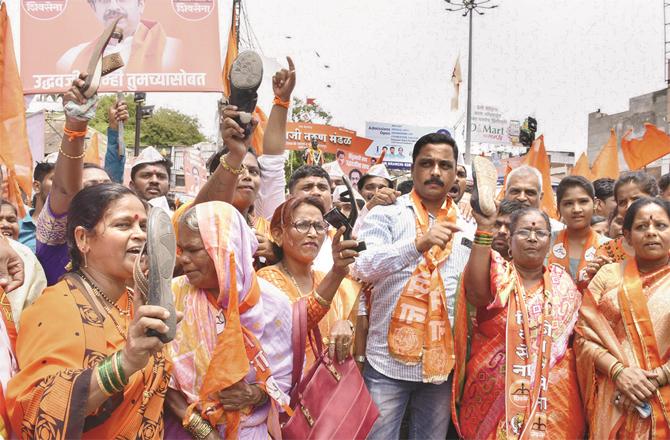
(653, 145)
(456, 79)
(14, 146)
(582, 168)
(537, 157)
(607, 162)
(231, 55)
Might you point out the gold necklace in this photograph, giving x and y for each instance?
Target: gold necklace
(290, 275)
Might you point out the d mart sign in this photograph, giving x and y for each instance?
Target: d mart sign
(489, 126)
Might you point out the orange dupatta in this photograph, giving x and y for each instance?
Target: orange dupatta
(420, 330)
(640, 330)
(560, 255)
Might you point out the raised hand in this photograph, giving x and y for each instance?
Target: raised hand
(383, 197)
(118, 112)
(283, 82)
(344, 253)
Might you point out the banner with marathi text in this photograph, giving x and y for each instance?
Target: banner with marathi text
(348, 148)
(168, 45)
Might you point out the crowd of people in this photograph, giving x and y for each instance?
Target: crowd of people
(465, 321)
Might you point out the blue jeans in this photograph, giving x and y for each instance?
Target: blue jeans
(430, 406)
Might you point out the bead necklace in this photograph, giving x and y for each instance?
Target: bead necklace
(99, 293)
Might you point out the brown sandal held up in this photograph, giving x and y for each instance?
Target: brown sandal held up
(100, 65)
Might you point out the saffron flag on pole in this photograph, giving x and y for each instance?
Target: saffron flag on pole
(14, 145)
(582, 168)
(456, 79)
(231, 53)
(653, 145)
(607, 162)
(537, 157)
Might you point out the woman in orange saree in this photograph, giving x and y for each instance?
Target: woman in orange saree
(87, 367)
(294, 275)
(623, 335)
(515, 372)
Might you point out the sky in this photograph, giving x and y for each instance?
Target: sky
(391, 60)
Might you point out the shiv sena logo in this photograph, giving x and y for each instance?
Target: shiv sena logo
(406, 340)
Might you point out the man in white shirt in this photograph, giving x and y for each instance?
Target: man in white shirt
(418, 233)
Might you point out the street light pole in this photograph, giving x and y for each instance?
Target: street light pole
(468, 114)
(468, 7)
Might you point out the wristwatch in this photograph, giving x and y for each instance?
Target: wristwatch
(360, 359)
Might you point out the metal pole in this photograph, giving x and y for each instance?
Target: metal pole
(138, 121)
(468, 124)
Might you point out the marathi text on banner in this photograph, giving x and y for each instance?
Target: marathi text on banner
(163, 48)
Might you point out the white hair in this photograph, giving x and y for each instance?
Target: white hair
(525, 170)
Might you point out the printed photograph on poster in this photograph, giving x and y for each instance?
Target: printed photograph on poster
(168, 45)
(396, 141)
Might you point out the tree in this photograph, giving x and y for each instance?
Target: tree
(304, 112)
(164, 128)
(170, 127)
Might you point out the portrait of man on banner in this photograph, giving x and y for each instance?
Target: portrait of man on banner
(145, 47)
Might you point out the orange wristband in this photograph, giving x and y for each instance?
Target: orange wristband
(71, 134)
(280, 103)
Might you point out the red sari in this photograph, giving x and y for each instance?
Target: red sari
(483, 383)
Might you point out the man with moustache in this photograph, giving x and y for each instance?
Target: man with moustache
(145, 46)
(414, 245)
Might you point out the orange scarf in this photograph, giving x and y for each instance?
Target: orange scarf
(525, 411)
(639, 327)
(420, 330)
(560, 254)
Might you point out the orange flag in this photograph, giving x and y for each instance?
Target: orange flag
(582, 168)
(93, 151)
(14, 147)
(231, 54)
(641, 152)
(501, 194)
(607, 162)
(537, 157)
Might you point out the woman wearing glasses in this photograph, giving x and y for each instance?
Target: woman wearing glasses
(519, 380)
(298, 229)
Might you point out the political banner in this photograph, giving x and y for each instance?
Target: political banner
(396, 141)
(330, 139)
(195, 173)
(167, 46)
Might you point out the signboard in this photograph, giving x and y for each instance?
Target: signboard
(168, 45)
(489, 126)
(397, 140)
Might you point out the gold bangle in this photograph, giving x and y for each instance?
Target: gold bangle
(617, 373)
(614, 366)
(321, 300)
(236, 171)
(81, 156)
(198, 427)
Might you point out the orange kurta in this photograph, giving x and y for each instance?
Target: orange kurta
(62, 339)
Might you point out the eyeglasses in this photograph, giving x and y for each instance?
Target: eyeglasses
(540, 234)
(304, 226)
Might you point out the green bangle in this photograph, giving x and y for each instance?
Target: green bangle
(119, 368)
(103, 374)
